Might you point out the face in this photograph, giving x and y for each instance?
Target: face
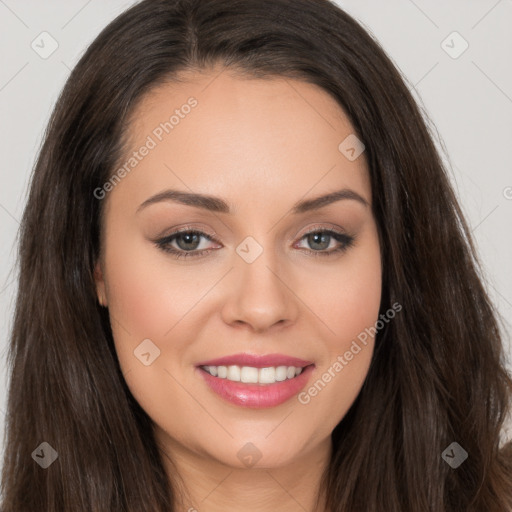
(258, 268)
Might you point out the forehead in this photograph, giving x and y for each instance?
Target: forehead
(221, 133)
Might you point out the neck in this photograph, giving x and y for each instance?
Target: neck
(202, 483)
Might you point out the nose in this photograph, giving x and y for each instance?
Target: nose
(260, 295)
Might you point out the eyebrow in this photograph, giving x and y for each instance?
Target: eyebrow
(216, 204)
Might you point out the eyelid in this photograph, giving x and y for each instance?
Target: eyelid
(337, 233)
(214, 237)
(164, 242)
(324, 226)
(190, 227)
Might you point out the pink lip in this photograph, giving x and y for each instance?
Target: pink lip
(257, 396)
(256, 361)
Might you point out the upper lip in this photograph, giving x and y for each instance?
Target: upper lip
(257, 361)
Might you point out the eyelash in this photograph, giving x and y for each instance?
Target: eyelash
(346, 242)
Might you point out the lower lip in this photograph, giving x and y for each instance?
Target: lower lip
(257, 396)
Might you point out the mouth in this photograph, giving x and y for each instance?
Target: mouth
(253, 375)
(257, 384)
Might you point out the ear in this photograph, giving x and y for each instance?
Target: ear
(100, 284)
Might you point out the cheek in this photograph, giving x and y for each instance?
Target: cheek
(150, 300)
(146, 298)
(147, 288)
(346, 295)
(347, 301)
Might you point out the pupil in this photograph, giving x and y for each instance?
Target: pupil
(321, 239)
(188, 240)
(315, 237)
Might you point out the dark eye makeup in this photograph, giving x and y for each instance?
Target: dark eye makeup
(191, 237)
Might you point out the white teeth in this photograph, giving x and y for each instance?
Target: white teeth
(249, 374)
(234, 373)
(281, 373)
(267, 375)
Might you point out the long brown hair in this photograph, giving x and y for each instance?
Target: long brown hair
(438, 371)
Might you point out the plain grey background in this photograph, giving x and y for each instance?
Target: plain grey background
(456, 56)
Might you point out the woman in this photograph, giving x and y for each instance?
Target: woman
(243, 371)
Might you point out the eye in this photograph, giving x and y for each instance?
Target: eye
(320, 240)
(188, 242)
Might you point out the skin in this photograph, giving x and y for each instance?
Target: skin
(261, 145)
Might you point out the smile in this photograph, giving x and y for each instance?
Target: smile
(253, 387)
(251, 374)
